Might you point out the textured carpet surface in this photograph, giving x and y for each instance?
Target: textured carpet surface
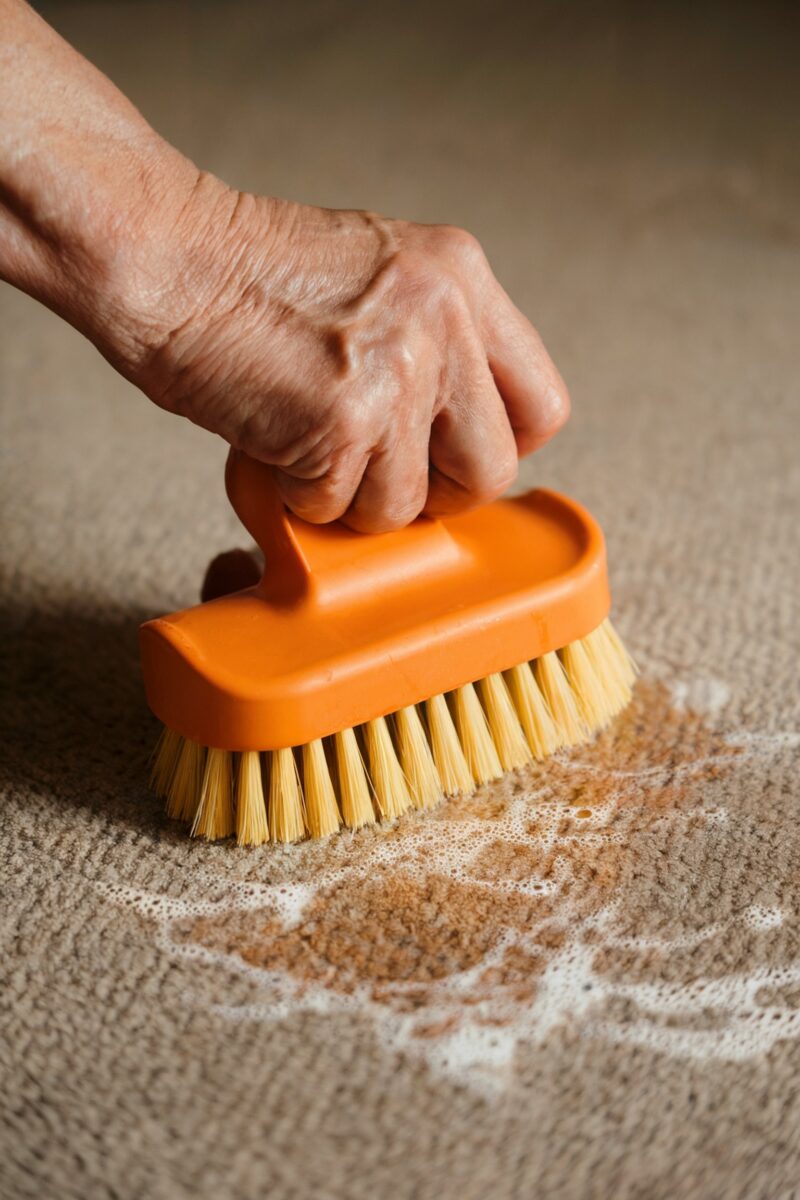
(584, 982)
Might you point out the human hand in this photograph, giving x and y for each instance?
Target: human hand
(376, 364)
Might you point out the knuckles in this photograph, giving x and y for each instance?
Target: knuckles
(461, 247)
(369, 388)
(318, 502)
(498, 475)
(559, 409)
(553, 409)
(386, 519)
(432, 283)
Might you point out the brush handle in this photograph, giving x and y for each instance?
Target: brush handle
(257, 502)
(330, 563)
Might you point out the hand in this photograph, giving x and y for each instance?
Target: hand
(376, 364)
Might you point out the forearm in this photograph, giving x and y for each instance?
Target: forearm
(86, 188)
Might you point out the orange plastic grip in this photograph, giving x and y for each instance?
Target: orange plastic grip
(345, 627)
(327, 565)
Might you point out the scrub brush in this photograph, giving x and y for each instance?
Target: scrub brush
(369, 674)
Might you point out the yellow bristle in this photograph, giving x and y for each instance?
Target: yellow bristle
(416, 759)
(555, 688)
(611, 660)
(475, 735)
(588, 688)
(533, 713)
(391, 790)
(286, 818)
(448, 756)
(506, 730)
(604, 664)
(625, 659)
(322, 814)
(252, 828)
(183, 795)
(354, 793)
(165, 760)
(214, 816)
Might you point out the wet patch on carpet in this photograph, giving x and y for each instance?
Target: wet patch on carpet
(566, 894)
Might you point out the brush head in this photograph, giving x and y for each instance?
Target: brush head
(339, 689)
(447, 747)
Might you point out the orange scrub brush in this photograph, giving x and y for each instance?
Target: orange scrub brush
(368, 674)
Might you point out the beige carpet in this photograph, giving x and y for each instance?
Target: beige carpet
(584, 983)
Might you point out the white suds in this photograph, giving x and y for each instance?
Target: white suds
(726, 1017)
(703, 695)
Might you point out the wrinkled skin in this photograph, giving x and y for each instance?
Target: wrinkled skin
(376, 364)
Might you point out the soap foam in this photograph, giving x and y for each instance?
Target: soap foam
(706, 695)
(474, 1019)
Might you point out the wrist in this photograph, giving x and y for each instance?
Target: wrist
(141, 284)
(172, 260)
(115, 259)
(72, 227)
(181, 267)
(112, 240)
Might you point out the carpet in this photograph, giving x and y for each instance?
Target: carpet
(585, 981)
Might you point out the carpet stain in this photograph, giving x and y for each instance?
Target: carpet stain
(416, 927)
(535, 903)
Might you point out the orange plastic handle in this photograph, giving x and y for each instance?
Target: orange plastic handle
(330, 565)
(258, 505)
(344, 627)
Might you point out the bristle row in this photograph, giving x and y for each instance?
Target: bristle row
(447, 746)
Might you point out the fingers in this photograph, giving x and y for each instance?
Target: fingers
(443, 387)
(387, 491)
(473, 453)
(465, 457)
(371, 470)
(328, 496)
(534, 394)
(394, 489)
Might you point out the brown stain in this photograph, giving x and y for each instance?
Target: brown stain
(395, 930)
(665, 745)
(402, 935)
(502, 860)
